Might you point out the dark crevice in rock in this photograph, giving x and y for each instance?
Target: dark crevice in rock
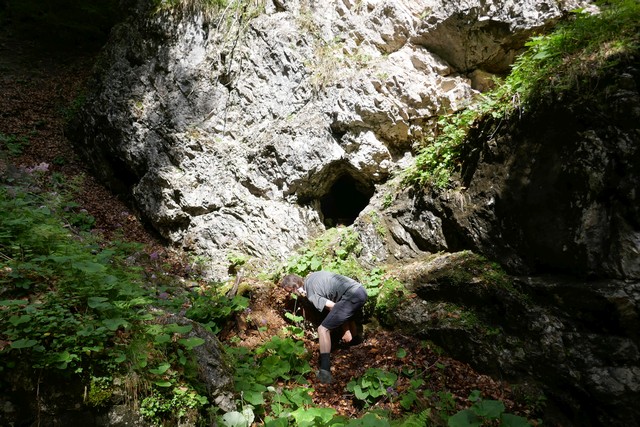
(344, 201)
(339, 193)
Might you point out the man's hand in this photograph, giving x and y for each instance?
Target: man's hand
(347, 336)
(329, 305)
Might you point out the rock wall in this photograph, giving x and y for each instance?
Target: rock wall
(573, 341)
(554, 190)
(552, 197)
(233, 131)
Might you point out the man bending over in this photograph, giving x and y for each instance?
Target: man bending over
(341, 296)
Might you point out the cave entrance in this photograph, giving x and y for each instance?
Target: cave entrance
(344, 201)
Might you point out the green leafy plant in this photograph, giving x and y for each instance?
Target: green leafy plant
(76, 306)
(485, 413)
(180, 403)
(13, 144)
(279, 358)
(213, 309)
(334, 250)
(373, 385)
(439, 155)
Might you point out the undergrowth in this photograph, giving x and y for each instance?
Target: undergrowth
(80, 309)
(571, 59)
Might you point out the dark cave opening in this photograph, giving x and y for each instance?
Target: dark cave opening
(344, 201)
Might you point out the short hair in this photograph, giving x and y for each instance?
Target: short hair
(291, 281)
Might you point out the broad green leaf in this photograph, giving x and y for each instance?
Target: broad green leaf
(100, 303)
(65, 356)
(161, 369)
(174, 328)
(18, 320)
(89, 267)
(313, 416)
(315, 264)
(370, 420)
(163, 383)
(23, 343)
(360, 395)
(191, 343)
(464, 418)
(510, 420)
(162, 339)
(401, 353)
(253, 397)
(114, 324)
(488, 408)
(12, 302)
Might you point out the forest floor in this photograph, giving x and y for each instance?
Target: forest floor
(38, 86)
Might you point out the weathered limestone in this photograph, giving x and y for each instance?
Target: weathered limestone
(229, 129)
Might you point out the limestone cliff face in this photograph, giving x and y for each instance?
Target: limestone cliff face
(247, 130)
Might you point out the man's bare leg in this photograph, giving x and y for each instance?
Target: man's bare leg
(324, 338)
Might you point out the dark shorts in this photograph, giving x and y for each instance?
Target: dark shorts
(345, 309)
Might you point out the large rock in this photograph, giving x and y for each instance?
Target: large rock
(553, 191)
(552, 196)
(251, 128)
(577, 341)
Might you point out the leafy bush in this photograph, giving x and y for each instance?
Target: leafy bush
(64, 299)
(76, 306)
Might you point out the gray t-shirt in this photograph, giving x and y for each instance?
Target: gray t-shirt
(324, 285)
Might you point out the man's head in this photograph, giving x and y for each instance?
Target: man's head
(291, 282)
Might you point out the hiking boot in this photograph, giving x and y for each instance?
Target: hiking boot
(324, 376)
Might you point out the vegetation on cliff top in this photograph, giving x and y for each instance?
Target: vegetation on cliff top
(572, 58)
